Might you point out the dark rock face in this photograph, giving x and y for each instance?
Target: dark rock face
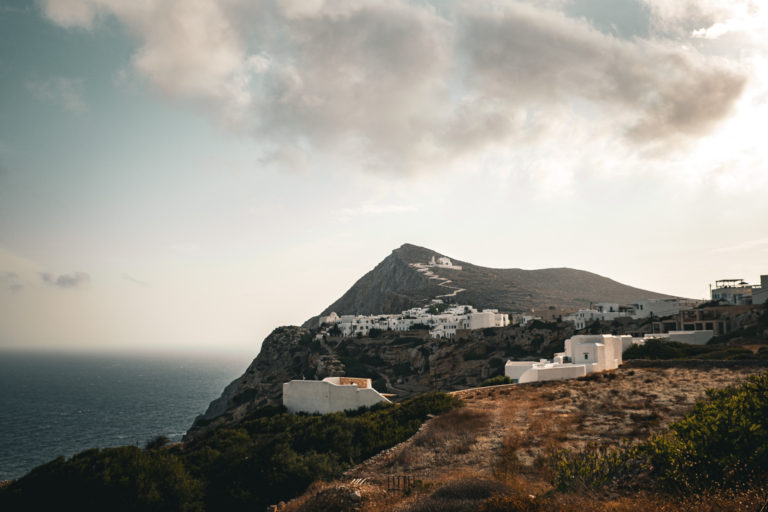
(394, 285)
(285, 355)
(404, 364)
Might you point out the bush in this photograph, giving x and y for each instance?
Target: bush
(119, 479)
(271, 456)
(665, 349)
(594, 467)
(724, 439)
(496, 381)
(722, 443)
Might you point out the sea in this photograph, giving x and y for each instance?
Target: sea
(60, 404)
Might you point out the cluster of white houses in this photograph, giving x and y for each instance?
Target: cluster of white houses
(643, 308)
(441, 325)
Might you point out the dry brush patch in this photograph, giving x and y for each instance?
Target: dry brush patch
(506, 433)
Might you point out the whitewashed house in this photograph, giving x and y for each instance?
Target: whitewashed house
(608, 311)
(441, 325)
(655, 307)
(583, 354)
(532, 371)
(598, 352)
(332, 394)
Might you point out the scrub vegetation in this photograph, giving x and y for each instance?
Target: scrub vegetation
(271, 456)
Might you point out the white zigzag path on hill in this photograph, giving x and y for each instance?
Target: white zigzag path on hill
(424, 268)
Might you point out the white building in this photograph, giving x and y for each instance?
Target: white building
(531, 371)
(443, 262)
(583, 354)
(332, 394)
(655, 307)
(608, 311)
(583, 317)
(332, 318)
(599, 352)
(732, 291)
(441, 325)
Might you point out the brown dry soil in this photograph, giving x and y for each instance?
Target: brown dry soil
(504, 433)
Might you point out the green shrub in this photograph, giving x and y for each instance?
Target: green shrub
(594, 467)
(271, 456)
(496, 381)
(119, 479)
(722, 442)
(724, 439)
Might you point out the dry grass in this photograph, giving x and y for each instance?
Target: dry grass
(505, 433)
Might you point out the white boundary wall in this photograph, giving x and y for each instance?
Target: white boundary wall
(553, 371)
(324, 396)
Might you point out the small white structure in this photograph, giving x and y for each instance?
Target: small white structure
(690, 337)
(531, 371)
(332, 394)
(655, 307)
(332, 318)
(599, 352)
(583, 354)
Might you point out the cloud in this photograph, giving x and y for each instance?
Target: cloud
(400, 86)
(74, 280)
(133, 280)
(10, 281)
(66, 92)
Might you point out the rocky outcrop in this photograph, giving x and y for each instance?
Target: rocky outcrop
(404, 364)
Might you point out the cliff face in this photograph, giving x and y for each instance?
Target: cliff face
(396, 284)
(402, 363)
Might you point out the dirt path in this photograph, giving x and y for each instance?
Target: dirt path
(424, 269)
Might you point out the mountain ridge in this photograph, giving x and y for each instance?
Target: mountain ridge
(396, 284)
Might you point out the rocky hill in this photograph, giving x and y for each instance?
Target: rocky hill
(404, 279)
(402, 363)
(409, 363)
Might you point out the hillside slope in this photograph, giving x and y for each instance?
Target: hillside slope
(396, 284)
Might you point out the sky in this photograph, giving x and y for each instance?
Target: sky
(190, 174)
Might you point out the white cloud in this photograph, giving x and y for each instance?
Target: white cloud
(401, 86)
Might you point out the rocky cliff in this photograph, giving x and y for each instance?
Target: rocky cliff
(402, 363)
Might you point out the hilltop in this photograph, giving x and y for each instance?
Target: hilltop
(396, 284)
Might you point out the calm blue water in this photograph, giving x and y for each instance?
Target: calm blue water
(52, 404)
